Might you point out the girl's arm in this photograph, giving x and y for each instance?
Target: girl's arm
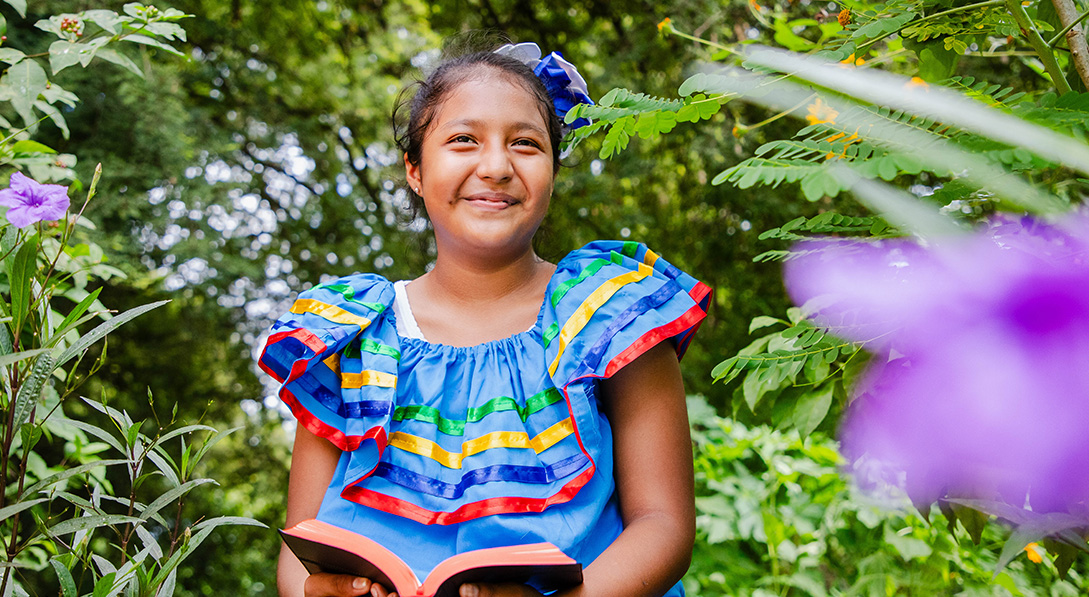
(313, 461)
(645, 403)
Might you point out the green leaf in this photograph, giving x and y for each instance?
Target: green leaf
(18, 5)
(212, 441)
(811, 409)
(77, 312)
(86, 523)
(9, 511)
(30, 434)
(936, 62)
(72, 472)
(908, 547)
(98, 432)
(112, 55)
(67, 583)
(29, 146)
(764, 321)
(107, 19)
(102, 330)
(165, 465)
(188, 547)
(27, 397)
(228, 520)
(25, 81)
(179, 431)
(1019, 539)
(168, 30)
(104, 586)
(149, 41)
(11, 55)
(1065, 555)
(170, 496)
(10, 359)
(21, 269)
(64, 53)
(972, 520)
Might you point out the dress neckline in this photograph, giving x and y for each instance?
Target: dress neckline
(404, 322)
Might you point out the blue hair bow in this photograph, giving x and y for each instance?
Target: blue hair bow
(565, 85)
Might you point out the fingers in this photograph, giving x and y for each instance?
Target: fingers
(378, 590)
(337, 585)
(496, 590)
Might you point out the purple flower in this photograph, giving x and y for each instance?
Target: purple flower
(30, 201)
(980, 383)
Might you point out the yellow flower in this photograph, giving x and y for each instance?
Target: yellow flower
(844, 17)
(917, 82)
(852, 61)
(820, 113)
(665, 24)
(1033, 551)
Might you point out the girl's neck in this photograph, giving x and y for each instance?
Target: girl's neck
(466, 302)
(474, 280)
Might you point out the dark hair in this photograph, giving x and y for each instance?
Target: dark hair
(458, 66)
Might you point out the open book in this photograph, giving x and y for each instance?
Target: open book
(323, 547)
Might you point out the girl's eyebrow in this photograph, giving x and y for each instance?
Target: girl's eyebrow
(477, 123)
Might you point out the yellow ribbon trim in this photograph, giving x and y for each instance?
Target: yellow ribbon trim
(333, 362)
(597, 298)
(650, 258)
(330, 312)
(497, 439)
(368, 378)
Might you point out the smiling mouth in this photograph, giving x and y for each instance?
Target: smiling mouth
(492, 199)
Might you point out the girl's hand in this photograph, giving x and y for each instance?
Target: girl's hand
(342, 585)
(497, 590)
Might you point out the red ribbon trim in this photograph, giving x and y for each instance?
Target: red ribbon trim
(486, 507)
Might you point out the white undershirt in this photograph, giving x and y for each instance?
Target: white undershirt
(402, 311)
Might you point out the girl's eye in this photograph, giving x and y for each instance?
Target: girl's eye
(528, 143)
(462, 139)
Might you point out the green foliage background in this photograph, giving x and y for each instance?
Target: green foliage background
(264, 162)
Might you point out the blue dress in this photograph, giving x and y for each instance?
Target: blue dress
(450, 449)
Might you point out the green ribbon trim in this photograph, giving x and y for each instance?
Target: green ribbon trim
(432, 415)
(349, 295)
(553, 330)
(354, 351)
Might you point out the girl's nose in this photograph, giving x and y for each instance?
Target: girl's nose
(495, 163)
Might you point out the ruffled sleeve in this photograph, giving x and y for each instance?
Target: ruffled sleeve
(336, 356)
(609, 303)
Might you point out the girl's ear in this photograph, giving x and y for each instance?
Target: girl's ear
(412, 175)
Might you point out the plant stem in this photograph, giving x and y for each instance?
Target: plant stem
(1043, 51)
(1075, 37)
(772, 119)
(700, 40)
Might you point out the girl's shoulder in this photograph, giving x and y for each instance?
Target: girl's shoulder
(371, 291)
(609, 302)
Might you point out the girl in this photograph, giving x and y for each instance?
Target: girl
(498, 399)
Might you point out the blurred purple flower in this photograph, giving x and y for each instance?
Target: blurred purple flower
(980, 386)
(30, 201)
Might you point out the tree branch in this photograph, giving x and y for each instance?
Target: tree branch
(278, 167)
(1043, 51)
(1075, 37)
(360, 174)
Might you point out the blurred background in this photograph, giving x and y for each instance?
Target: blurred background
(262, 163)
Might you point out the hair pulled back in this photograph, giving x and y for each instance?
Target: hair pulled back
(462, 61)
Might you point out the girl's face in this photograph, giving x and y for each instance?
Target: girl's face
(485, 171)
